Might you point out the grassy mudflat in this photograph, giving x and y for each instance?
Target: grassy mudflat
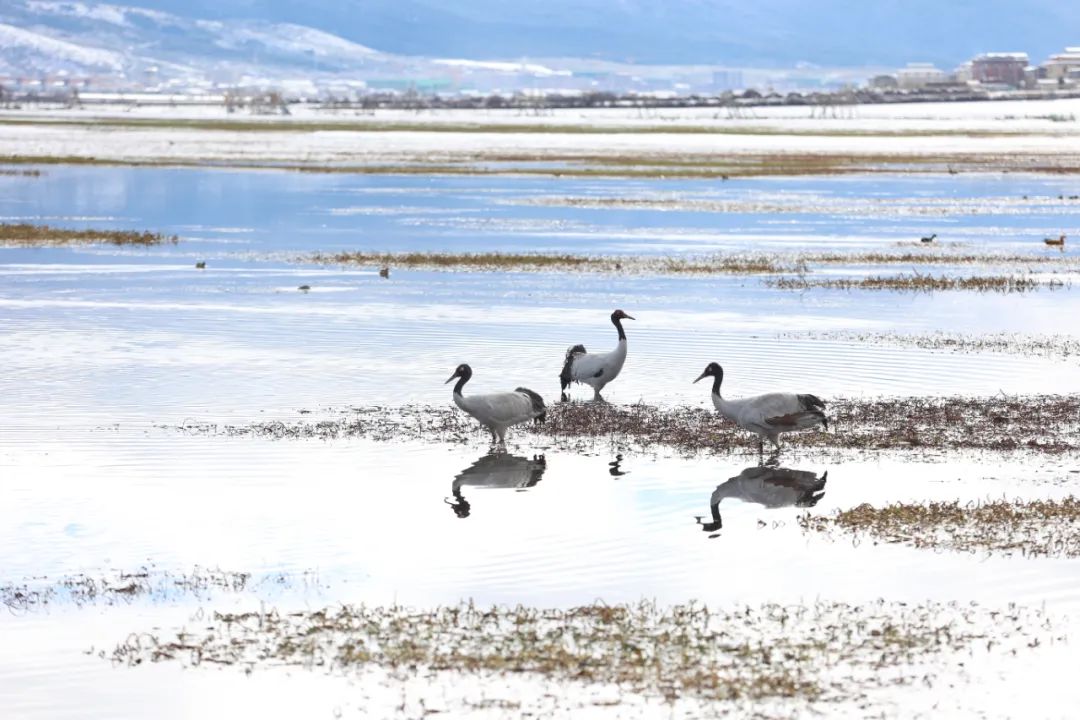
(920, 207)
(629, 164)
(919, 282)
(27, 235)
(623, 144)
(738, 264)
(1030, 527)
(1033, 423)
(376, 125)
(821, 651)
(743, 263)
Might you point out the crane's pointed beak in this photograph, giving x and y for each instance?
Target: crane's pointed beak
(629, 317)
(702, 375)
(450, 379)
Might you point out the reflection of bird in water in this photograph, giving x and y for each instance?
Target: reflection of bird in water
(496, 470)
(772, 487)
(768, 415)
(615, 466)
(498, 411)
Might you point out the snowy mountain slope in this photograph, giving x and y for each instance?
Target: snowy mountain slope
(39, 36)
(758, 32)
(25, 48)
(218, 39)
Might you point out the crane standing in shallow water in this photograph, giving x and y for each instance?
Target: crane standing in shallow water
(595, 369)
(498, 411)
(767, 415)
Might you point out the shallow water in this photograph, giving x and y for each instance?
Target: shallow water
(102, 345)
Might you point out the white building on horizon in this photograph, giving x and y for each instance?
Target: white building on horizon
(916, 76)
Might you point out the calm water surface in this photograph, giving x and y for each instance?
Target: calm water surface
(102, 345)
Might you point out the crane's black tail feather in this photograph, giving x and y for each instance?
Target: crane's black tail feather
(537, 403)
(564, 377)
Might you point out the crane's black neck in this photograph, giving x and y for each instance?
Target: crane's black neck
(464, 378)
(717, 380)
(618, 326)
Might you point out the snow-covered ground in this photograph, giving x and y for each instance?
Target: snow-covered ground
(1032, 128)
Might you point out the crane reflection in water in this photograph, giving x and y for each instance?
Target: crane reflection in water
(493, 471)
(772, 487)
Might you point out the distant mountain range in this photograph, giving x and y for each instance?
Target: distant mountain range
(227, 38)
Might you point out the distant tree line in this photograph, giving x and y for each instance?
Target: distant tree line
(821, 103)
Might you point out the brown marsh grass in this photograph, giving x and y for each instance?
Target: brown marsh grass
(28, 235)
(1048, 528)
(585, 164)
(736, 264)
(743, 263)
(918, 282)
(1045, 424)
(819, 651)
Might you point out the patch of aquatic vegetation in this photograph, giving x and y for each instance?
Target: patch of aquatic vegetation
(1049, 528)
(436, 125)
(1031, 423)
(819, 652)
(933, 256)
(803, 203)
(586, 164)
(919, 282)
(148, 582)
(12, 172)
(1052, 346)
(25, 234)
(714, 264)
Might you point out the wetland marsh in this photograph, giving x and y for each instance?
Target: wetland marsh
(261, 500)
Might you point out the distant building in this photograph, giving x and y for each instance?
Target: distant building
(918, 75)
(999, 69)
(884, 82)
(1063, 68)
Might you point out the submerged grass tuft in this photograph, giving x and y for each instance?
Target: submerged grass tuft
(25, 234)
(147, 582)
(1031, 527)
(1054, 346)
(822, 651)
(917, 282)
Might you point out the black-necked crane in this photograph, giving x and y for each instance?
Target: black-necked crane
(595, 369)
(769, 415)
(498, 411)
(928, 239)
